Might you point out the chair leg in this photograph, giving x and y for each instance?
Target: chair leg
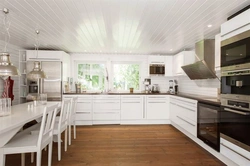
(59, 146)
(65, 141)
(70, 133)
(50, 154)
(22, 159)
(32, 157)
(74, 129)
(38, 158)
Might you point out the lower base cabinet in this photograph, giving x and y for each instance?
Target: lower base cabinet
(132, 107)
(157, 107)
(235, 153)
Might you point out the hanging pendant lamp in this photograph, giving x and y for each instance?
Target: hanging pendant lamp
(6, 67)
(37, 71)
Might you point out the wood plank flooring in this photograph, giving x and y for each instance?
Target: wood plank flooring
(118, 145)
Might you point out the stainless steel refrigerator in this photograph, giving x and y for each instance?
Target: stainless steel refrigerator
(52, 85)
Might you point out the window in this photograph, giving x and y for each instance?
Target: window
(91, 76)
(126, 76)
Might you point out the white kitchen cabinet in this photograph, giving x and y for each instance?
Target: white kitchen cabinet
(132, 107)
(236, 25)
(23, 79)
(169, 66)
(106, 109)
(157, 107)
(156, 59)
(217, 52)
(183, 112)
(181, 59)
(235, 153)
(83, 109)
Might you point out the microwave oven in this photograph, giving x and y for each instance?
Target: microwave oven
(157, 69)
(236, 50)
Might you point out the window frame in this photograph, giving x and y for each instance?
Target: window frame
(124, 62)
(90, 62)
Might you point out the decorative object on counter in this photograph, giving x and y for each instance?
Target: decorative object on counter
(78, 87)
(6, 67)
(5, 106)
(37, 71)
(176, 87)
(155, 88)
(8, 88)
(131, 90)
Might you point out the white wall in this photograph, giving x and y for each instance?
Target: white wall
(109, 58)
(14, 57)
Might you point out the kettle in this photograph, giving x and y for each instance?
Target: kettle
(155, 88)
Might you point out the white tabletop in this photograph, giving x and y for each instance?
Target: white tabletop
(20, 115)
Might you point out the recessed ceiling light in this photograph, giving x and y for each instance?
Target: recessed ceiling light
(115, 51)
(209, 26)
(130, 51)
(171, 49)
(85, 50)
(100, 50)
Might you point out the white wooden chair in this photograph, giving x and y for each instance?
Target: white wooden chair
(25, 142)
(61, 124)
(72, 118)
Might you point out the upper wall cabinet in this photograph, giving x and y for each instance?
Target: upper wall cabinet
(169, 66)
(181, 59)
(33, 55)
(236, 25)
(156, 60)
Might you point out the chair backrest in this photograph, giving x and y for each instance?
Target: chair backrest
(65, 111)
(47, 125)
(72, 108)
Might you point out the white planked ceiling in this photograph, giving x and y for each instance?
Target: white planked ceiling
(116, 26)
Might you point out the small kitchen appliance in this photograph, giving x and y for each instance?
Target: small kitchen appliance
(147, 83)
(155, 88)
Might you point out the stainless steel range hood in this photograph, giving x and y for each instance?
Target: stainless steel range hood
(204, 67)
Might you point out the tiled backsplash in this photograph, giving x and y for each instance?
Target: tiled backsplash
(207, 87)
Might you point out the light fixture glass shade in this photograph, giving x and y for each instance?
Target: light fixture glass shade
(36, 73)
(6, 67)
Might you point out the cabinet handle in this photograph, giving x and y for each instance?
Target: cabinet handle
(235, 151)
(83, 102)
(157, 97)
(83, 112)
(131, 102)
(106, 102)
(185, 108)
(130, 97)
(156, 102)
(186, 101)
(237, 112)
(186, 121)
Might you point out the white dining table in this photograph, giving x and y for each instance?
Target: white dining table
(20, 115)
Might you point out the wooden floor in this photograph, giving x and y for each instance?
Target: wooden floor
(115, 145)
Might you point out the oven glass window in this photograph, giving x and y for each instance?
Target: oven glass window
(235, 53)
(235, 124)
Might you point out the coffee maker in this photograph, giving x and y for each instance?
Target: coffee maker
(173, 87)
(147, 83)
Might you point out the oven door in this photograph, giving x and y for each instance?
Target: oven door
(208, 124)
(235, 124)
(236, 52)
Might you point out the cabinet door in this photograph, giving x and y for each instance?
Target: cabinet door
(156, 60)
(217, 52)
(157, 107)
(169, 66)
(132, 108)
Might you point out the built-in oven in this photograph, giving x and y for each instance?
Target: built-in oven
(158, 69)
(235, 104)
(235, 120)
(208, 124)
(236, 50)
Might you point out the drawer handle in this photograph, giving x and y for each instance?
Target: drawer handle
(106, 102)
(186, 121)
(185, 108)
(156, 102)
(131, 102)
(186, 101)
(235, 151)
(83, 112)
(157, 97)
(172, 103)
(83, 102)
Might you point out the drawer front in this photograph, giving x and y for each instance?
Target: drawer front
(106, 116)
(187, 112)
(83, 116)
(186, 124)
(106, 104)
(156, 97)
(131, 97)
(106, 97)
(132, 110)
(83, 105)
